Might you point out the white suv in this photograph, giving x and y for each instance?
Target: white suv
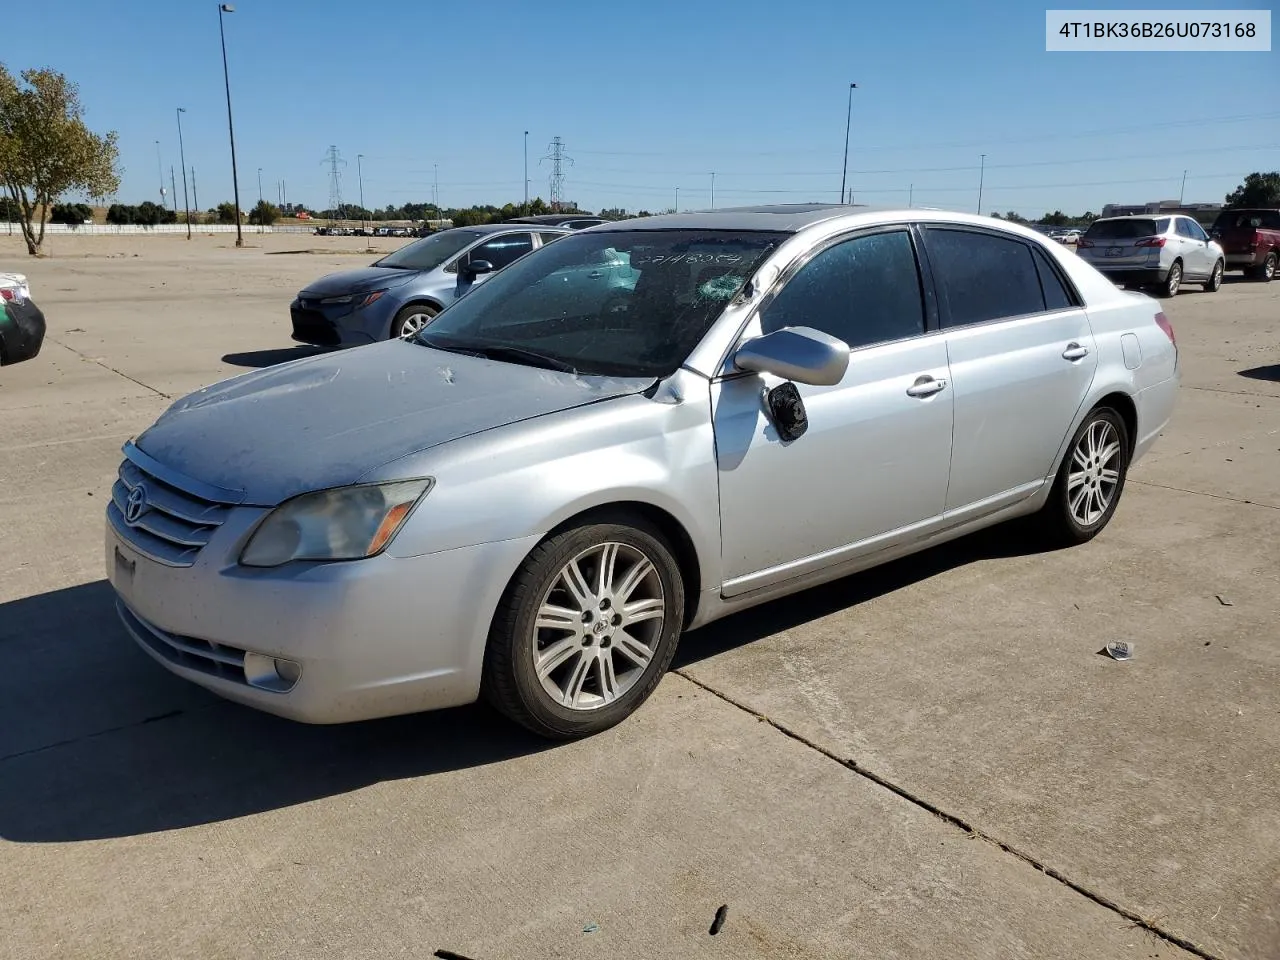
(1153, 251)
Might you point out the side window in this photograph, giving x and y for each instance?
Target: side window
(1162, 226)
(1056, 296)
(501, 251)
(1197, 231)
(986, 277)
(550, 237)
(1184, 228)
(865, 290)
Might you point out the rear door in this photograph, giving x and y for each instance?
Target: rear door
(1191, 249)
(1022, 357)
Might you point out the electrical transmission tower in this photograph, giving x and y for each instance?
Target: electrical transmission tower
(334, 159)
(558, 160)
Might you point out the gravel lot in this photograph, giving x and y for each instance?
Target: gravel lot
(930, 759)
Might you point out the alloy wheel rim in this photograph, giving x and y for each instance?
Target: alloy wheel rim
(1217, 276)
(598, 626)
(1175, 278)
(1270, 267)
(412, 324)
(1095, 473)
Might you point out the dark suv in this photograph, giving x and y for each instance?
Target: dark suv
(1251, 240)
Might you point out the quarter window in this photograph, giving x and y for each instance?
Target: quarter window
(503, 250)
(863, 291)
(550, 237)
(986, 277)
(1056, 296)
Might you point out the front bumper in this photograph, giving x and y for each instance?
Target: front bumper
(361, 639)
(22, 330)
(314, 326)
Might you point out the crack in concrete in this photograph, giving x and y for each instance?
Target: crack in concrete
(1236, 393)
(107, 366)
(168, 715)
(955, 820)
(1201, 493)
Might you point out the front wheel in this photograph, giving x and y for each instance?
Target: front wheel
(1090, 480)
(585, 630)
(1214, 283)
(411, 319)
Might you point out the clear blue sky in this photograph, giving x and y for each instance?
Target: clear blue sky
(651, 96)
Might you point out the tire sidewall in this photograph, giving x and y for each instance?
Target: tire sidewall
(1215, 278)
(404, 313)
(534, 698)
(1168, 287)
(1061, 498)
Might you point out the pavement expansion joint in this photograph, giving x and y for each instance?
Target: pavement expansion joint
(1135, 919)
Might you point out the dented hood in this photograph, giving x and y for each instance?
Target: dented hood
(326, 421)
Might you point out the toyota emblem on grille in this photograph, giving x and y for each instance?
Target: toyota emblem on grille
(136, 505)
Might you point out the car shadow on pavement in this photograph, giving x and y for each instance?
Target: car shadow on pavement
(1270, 372)
(269, 358)
(97, 741)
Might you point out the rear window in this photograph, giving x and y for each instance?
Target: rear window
(1247, 220)
(1121, 229)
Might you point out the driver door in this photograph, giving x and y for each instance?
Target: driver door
(875, 459)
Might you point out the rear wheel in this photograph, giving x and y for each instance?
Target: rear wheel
(585, 630)
(1172, 280)
(1214, 283)
(411, 319)
(1090, 480)
(1266, 271)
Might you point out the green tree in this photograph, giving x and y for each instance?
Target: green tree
(71, 214)
(149, 214)
(1258, 190)
(264, 214)
(10, 212)
(46, 150)
(225, 212)
(1055, 219)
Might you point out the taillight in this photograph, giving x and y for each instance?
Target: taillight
(1151, 242)
(6, 293)
(1082, 242)
(1163, 323)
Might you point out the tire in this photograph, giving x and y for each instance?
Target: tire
(1172, 281)
(1266, 271)
(584, 642)
(1063, 521)
(1214, 283)
(415, 315)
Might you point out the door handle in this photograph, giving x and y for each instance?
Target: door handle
(926, 386)
(595, 274)
(1075, 352)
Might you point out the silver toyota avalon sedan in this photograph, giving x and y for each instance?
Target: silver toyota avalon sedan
(532, 499)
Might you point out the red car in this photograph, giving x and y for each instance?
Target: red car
(1251, 240)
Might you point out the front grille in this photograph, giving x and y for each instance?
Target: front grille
(170, 525)
(311, 326)
(214, 659)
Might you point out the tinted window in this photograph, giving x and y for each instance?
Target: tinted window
(1184, 228)
(985, 277)
(500, 251)
(1056, 296)
(865, 290)
(550, 237)
(1162, 226)
(1196, 231)
(1122, 229)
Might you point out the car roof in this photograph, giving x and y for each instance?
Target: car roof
(501, 228)
(1143, 216)
(554, 218)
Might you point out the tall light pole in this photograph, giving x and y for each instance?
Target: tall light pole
(982, 170)
(713, 189)
(1182, 192)
(526, 173)
(259, 184)
(435, 190)
(848, 120)
(195, 197)
(360, 179)
(911, 195)
(225, 8)
(182, 154)
(677, 208)
(160, 169)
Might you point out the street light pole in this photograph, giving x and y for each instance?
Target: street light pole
(911, 195)
(224, 8)
(982, 170)
(848, 120)
(677, 209)
(713, 189)
(435, 191)
(195, 197)
(259, 184)
(160, 169)
(526, 173)
(182, 155)
(360, 179)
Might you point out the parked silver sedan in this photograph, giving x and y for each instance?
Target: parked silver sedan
(534, 497)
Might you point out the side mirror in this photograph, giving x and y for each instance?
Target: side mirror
(476, 267)
(801, 354)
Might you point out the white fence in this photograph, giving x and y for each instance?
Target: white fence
(108, 229)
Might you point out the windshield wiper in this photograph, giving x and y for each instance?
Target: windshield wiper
(497, 351)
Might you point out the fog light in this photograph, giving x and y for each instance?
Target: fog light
(269, 673)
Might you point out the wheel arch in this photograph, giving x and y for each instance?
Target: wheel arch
(418, 300)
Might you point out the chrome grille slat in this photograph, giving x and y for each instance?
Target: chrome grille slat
(174, 524)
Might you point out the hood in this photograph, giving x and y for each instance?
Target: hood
(326, 421)
(357, 281)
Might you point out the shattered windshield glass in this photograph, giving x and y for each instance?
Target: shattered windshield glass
(626, 303)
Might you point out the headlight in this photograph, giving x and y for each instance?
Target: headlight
(359, 299)
(345, 523)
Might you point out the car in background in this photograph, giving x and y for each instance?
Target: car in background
(1068, 236)
(570, 221)
(22, 325)
(399, 294)
(1153, 252)
(1251, 240)
(533, 498)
